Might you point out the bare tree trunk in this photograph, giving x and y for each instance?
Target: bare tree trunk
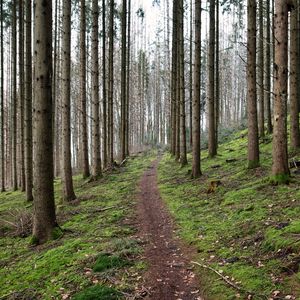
(196, 167)
(128, 79)
(212, 149)
(280, 169)
(68, 191)
(191, 75)
(267, 96)
(96, 153)
(253, 147)
(183, 155)
(28, 104)
(14, 97)
(104, 95)
(123, 80)
(21, 93)
(44, 220)
(294, 90)
(217, 74)
(111, 84)
(174, 79)
(261, 118)
(2, 104)
(84, 136)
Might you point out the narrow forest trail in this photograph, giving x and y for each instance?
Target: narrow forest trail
(169, 276)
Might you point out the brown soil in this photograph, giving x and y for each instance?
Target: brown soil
(169, 276)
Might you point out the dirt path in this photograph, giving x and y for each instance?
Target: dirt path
(169, 276)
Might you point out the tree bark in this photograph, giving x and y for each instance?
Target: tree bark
(261, 118)
(28, 104)
(212, 149)
(68, 191)
(111, 85)
(84, 136)
(294, 90)
(104, 79)
(280, 169)
(44, 220)
(267, 96)
(123, 80)
(96, 153)
(2, 104)
(253, 146)
(196, 166)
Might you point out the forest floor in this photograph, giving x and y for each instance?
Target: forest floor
(148, 231)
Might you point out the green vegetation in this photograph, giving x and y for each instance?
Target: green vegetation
(247, 228)
(98, 222)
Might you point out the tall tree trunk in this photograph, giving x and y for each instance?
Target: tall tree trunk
(2, 104)
(84, 136)
(128, 79)
(191, 75)
(294, 90)
(174, 79)
(44, 220)
(96, 153)
(196, 168)
(68, 191)
(183, 155)
(280, 169)
(14, 97)
(253, 146)
(212, 148)
(217, 74)
(21, 93)
(269, 46)
(123, 80)
(261, 118)
(111, 84)
(104, 79)
(28, 104)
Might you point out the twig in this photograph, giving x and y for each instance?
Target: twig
(223, 277)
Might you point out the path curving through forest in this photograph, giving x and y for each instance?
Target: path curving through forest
(169, 276)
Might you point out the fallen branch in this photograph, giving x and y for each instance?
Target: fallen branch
(222, 276)
(104, 209)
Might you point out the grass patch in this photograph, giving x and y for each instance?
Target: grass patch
(96, 223)
(98, 292)
(246, 227)
(108, 261)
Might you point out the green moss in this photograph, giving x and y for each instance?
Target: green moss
(98, 292)
(252, 164)
(34, 241)
(57, 233)
(280, 179)
(107, 261)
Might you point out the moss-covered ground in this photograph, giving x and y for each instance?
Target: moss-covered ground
(246, 228)
(97, 257)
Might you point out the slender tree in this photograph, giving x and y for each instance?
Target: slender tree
(123, 80)
(44, 220)
(2, 103)
(111, 84)
(183, 155)
(261, 117)
(196, 168)
(212, 148)
(253, 146)
(84, 136)
(294, 80)
(68, 190)
(14, 96)
(280, 169)
(28, 103)
(269, 46)
(104, 85)
(96, 153)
